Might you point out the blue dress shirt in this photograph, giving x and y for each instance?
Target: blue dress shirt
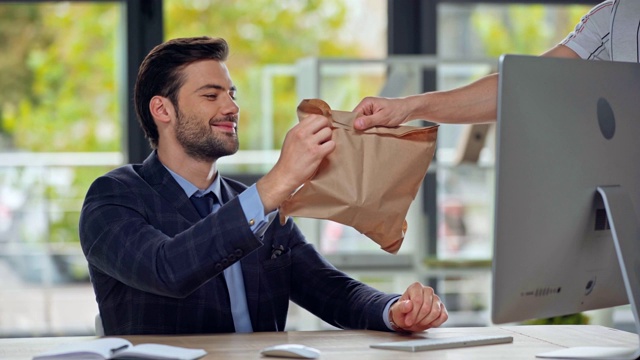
(253, 210)
(254, 213)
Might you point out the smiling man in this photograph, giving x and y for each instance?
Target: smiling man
(175, 248)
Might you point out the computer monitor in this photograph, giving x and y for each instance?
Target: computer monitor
(567, 188)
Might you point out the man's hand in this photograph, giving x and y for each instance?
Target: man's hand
(418, 309)
(304, 147)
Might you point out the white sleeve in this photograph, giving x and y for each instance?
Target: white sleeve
(590, 39)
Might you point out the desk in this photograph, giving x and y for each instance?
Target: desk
(353, 344)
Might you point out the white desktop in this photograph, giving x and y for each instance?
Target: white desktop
(567, 191)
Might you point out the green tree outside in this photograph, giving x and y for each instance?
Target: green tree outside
(524, 29)
(261, 33)
(62, 75)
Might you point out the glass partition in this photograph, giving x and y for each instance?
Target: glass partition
(63, 108)
(465, 190)
(61, 121)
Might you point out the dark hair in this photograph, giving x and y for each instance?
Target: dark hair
(161, 74)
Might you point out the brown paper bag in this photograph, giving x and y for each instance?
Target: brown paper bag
(369, 180)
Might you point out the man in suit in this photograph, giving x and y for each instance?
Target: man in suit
(174, 248)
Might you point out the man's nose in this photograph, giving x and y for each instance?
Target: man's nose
(230, 106)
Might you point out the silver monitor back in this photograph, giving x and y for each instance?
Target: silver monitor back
(564, 128)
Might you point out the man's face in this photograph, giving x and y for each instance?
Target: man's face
(207, 115)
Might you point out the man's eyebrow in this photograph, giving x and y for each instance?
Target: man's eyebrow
(215, 86)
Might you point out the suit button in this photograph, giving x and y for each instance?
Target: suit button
(218, 267)
(232, 258)
(224, 262)
(238, 252)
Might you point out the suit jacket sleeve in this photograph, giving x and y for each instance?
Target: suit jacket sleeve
(147, 240)
(328, 293)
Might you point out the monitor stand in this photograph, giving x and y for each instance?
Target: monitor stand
(626, 237)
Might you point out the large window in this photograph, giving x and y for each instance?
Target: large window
(64, 120)
(61, 125)
(465, 191)
(483, 31)
(270, 41)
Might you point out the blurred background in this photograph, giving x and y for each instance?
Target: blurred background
(66, 73)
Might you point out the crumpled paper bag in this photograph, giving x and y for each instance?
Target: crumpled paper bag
(369, 180)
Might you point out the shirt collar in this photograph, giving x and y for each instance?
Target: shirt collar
(191, 189)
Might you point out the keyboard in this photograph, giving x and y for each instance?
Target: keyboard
(444, 343)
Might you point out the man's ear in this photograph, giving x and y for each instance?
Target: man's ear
(161, 109)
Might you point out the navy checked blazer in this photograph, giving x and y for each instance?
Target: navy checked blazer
(157, 267)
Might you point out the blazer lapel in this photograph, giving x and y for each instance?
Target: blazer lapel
(165, 185)
(161, 180)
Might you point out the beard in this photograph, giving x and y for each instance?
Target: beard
(200, 142)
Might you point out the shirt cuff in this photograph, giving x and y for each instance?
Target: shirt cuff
(254, 211)
(385, 313)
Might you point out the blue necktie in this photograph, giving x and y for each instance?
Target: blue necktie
(206, 205)
(203, 204)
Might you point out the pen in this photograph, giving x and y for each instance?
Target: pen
(115, 350)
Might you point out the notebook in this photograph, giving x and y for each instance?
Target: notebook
(118, 348)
